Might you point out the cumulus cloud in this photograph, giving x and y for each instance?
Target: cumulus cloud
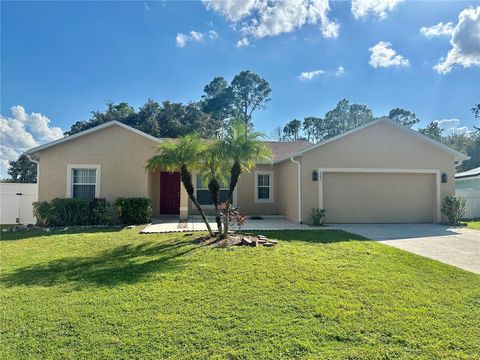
(440, 29)
(379, 8)
(260, 18)
(311, 75)
(243, 42)
(194, 36)
(23, 131)
(452, 126)
(465, 42)
(382, 55)
(340, 71)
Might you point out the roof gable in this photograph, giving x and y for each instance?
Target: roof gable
(90, 131)
(458, 155)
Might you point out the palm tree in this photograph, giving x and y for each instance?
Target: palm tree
(182, 155)
(244, 148)
(214, 167)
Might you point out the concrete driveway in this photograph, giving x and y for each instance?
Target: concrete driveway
(459, 247)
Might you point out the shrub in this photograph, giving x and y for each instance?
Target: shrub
(318, 216)
(454, 208)
(70, 212)
(134, 211)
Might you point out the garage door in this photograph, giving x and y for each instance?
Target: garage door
(379, 197)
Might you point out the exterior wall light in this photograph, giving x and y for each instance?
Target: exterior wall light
(444, 178)
(315, 175)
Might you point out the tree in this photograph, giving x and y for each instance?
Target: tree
(359, 115)
(213, 167)
(217, 100)
(433, 131)
(337, 119)
(250, 92)
(467, 144)
(243, 148)
(292, 129)
(476, 112)
(22, 170)
(314, 128)
(182, 155)
(277, 134)
(120, 112)
(404, 117)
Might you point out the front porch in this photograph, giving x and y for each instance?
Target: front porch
(168, 224)
(168, 195)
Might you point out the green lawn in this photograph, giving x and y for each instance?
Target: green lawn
(317, 294)
(474, 224)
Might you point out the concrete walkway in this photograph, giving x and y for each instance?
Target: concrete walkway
(459, 247)
(165, 225)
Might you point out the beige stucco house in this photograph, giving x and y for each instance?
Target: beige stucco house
(380, 172)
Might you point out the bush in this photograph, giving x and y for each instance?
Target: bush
(134, 211)
(70, 212)
(318, 216)
(454, 208)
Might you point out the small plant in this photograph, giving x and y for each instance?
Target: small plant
(231, 215)
(134, 211)
(453, 207)
(318, 216)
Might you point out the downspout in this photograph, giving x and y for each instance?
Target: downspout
(299, 187)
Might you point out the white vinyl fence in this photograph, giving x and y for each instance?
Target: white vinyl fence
(472, 205)
(16, 203)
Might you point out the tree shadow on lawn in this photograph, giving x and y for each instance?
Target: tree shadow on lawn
(33, 233)
(311, 236)
(124, 264)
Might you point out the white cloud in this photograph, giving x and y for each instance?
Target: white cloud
(440, 29)
(465, 42)
(340, 71)
(212, 34)
(260, 18)
(243, 42)
(382, 55)
(452, 126)
(23, 131)
(310, 75)
(194, 36)
(380, 8)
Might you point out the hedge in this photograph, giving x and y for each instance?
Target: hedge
(134, 211)
(70, 212)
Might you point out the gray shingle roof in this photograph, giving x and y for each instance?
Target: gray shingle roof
(282, 149)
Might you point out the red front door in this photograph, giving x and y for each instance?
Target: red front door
(169, 193)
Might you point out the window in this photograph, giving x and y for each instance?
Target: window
(263, 186)
(204, 196)
(83, 181)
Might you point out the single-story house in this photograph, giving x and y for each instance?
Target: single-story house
(468, 179)
(467, 185)
(380, 172)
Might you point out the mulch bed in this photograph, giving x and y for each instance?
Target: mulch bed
(235, 240)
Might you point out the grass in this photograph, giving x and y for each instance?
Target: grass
(473, 224)
(317, 294)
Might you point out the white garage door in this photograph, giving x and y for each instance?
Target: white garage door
(379, 197)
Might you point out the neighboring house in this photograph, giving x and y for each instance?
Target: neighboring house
(379, 172)
(468, 179)
(467, 185)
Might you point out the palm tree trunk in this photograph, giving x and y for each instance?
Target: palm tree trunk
(187, 182)
(214, 188)
(235, 172)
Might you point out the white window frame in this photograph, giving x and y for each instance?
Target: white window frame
(195, 174)
(270, 199)
(71, 167)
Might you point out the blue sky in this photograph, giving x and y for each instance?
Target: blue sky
(61, 60)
